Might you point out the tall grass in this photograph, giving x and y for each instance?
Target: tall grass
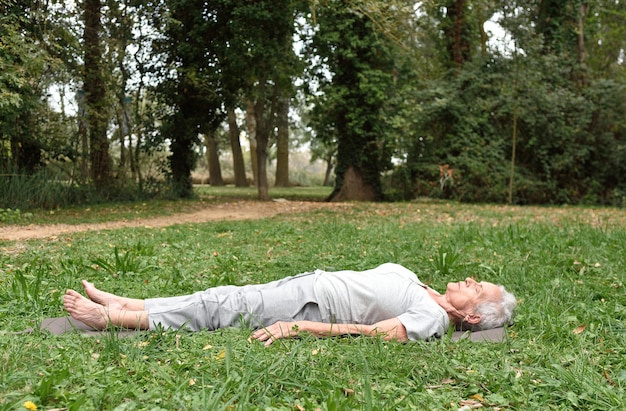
(47, 190)
(565, 351)
(34, 191)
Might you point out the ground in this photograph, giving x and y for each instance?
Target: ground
(239, 210)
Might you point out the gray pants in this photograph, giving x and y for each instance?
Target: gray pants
(289, 299)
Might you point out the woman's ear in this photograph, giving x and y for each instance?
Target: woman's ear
(472, 318)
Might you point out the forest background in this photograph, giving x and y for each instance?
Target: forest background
(109, 100)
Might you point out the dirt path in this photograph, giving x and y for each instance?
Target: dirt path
(240, 210)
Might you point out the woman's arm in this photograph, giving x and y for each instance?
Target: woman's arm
(391, 329)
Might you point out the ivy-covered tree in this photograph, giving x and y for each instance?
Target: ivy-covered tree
(192, 91)
(361, 68)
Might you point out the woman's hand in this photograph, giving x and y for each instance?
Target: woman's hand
(276, 331)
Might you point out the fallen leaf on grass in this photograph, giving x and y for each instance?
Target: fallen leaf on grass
(221, 355)
(477, 397)
(608, 377)
(469, 405)
(580, 329)
(348, 392)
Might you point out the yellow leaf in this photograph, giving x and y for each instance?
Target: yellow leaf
(192, 382)
(207, 347)
(221, 355)
(580, 329)
(299, 407)
(477, 397)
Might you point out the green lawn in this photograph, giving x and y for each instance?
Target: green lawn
(565, 351)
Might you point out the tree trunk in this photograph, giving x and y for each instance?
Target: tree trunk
(354, 188)
(329, 169)
(95, 94)
(83, 134)
(134, 154)
(457, 51)
(121, 170)
(182, 159)
(263, 130)
(282, 144)
(212, 153)
(251, 124)
(235, 145)
(455, 31)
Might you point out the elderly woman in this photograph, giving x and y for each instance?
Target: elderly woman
(388, 300)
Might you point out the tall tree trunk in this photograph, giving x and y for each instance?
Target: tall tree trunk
(138, 132)
(213, 158)
(457, 50)
(95, 95)
(263, 130)
(182, 159)
(251, 124)
(83, 135)
(457, 32)
(121, 171)
(235, 145)
(329, 169)
(282, 144)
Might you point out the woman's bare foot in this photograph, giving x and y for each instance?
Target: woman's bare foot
(111, 301)
(99, 316)
(85, 310)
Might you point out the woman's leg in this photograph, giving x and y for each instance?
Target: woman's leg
(253, 305)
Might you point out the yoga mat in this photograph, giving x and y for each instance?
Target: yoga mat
(63, 325)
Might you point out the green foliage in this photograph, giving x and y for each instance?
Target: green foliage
(24, 67)
(399, 89)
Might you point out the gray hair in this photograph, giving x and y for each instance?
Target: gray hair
(494, 314)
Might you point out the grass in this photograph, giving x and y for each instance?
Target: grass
(565, 351)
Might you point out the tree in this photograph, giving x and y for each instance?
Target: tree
(25, 72)
(95, 96)
(361, 67)
(261, 43)
(193, 92)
